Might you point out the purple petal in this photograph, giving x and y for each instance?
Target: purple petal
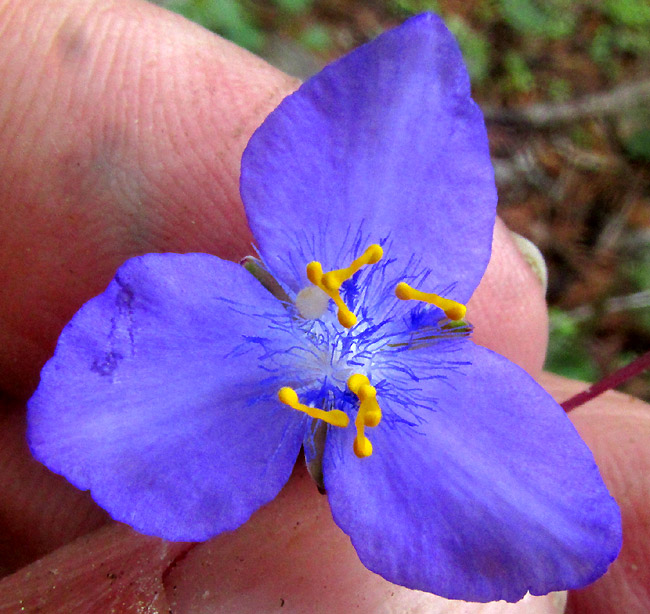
(384, 143)
(155, 402)
(494, 494)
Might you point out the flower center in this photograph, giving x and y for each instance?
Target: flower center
(330, 282)
(312, 303)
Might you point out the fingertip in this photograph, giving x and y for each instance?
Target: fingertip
(39, 511)
(126, 131)
(616, 427)
(111, 570)
(291, 557)
(508, 309)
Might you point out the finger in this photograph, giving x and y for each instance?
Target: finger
(617, 429)
(115, 569)
(111, 570)
(508, 309)
(123, 127)
(39, 510)
(291, 557)
(122, 131)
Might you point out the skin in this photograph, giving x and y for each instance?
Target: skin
(121, 131)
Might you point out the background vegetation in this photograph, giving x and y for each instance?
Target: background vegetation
(565, 86)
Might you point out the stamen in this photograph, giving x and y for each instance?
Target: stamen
(334, 417)
(452, 309)
(331, 282)
(315, 275)
(369, 412)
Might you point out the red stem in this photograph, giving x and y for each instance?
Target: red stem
(638, 365)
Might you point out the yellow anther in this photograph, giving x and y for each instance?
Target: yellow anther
(333, 280)
(315, 276)
(452, 309)
(334, 417)
(369, 412)
(315, 273)
(356, 381)
(330, 282)
(362, 447)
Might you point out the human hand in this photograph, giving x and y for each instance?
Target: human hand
(123, 127)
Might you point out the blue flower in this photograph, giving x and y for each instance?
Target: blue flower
(182, 395)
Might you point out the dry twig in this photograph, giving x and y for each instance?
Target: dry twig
(542, 115)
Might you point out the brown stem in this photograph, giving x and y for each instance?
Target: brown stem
(623, 374)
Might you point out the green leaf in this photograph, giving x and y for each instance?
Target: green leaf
(316, 37)
(544, 18)
(559, 90)
(414, 7)
(631, 13)
(567, 354)
(474, 46)
(638, 145)
(294, 7)
(520, 77)
(226, 17)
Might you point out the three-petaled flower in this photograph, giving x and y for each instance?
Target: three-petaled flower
(182, 395)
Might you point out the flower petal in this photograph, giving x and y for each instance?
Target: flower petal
(385, 142)
(151, 402)
(493, 495)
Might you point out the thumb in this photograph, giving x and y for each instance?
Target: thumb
(122, 128)
(617, 429)
(111, 570)
(291, 555)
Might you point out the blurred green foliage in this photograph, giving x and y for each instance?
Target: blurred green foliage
(544, 18)
(474, 46)
(626, 30)
(234, 20)
(638, 148)
(316, 37)
(519, 76)
(623, 29)
(294, 7)
(240, 20)
(637, 271)
(632, 13)
(560, 90)
(567, 353)
(413, 7)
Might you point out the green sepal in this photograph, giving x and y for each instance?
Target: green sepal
(257, 269)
